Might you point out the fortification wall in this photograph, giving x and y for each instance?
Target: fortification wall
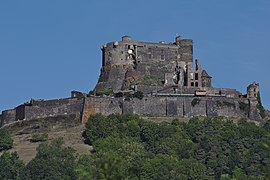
(41, 109)
(105, 106)
(158, 106)
(8, 116)
(171, 106)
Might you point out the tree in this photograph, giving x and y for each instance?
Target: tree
(12, 167)
(86, 168)
(129, 148)
(6, 142)
(53, 161)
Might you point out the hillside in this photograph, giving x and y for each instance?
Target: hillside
(67, 127)
(129, 147)
(62, 126)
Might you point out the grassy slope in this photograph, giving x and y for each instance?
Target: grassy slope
(62, 126)
(68, 127)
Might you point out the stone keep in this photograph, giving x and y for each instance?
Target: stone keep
(130, 64)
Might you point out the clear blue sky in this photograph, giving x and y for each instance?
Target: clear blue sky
(49, 48)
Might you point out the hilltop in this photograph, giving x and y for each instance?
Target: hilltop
(148, 79)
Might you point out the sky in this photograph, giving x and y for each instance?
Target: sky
(49, 48)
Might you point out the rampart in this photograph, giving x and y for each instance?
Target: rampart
(152, 106)
(36, 109)
(172, 106)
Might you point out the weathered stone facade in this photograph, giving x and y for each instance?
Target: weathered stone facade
(40, 109)
(163, 72)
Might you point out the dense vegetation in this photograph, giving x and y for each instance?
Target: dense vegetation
(6, 142)
(127, 147)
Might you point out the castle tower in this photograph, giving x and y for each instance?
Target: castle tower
(147, 62)
(253, 90)
(206, 79)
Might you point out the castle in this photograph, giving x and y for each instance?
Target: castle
(147, 79)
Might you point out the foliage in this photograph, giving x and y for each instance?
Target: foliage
(215, 148)
(53, 161)
(104, 91)
(12, 167)
(149, 80)
(6, 142)
(92, 92)
(260, 106)
(127, 147)
(39, 137)
(138, 94)
(195, 101)
(85, 168)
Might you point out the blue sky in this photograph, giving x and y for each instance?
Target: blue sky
(49, 48)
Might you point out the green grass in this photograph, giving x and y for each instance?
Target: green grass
(104, 91)
(149, 80)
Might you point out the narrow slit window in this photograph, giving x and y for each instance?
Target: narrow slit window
(162, 57)
(196, 76)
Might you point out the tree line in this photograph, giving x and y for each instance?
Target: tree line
(128, 147)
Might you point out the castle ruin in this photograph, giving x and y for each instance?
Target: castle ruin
(165, 76)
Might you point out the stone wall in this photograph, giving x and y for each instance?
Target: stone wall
(172, 107)
(43, 109)
(8, 116)
(158, 106)
(105, 106)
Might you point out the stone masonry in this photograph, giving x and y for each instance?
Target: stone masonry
(171, 83)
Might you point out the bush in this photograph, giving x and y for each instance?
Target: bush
(104, 91)
(6, 142)
(92, 92)
(138, 94)
(195, 101)
(149, 80)
(39, 137)
(260, 106)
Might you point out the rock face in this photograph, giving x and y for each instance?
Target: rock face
(166, 76)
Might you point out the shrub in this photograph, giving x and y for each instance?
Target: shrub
(149, 80)
(195, 101)
(138, 94)
(39, 137)
(91, 93)
(260, 106)
(104, 91)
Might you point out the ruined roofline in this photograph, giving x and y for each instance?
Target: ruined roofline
(161, 43)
